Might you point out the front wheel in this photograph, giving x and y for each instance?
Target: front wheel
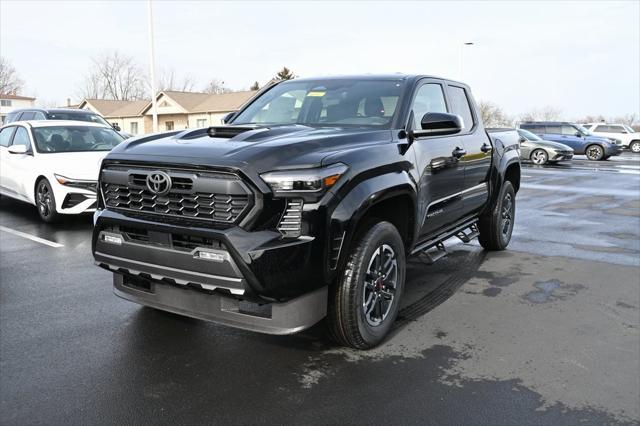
(496, 226)
(634, 146)
(46, 202)
(594, 152)
(366, 296)
(539, 156)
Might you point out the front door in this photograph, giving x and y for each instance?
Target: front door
(477, 160)
(5, 140)
(17, 167)
(441, 176)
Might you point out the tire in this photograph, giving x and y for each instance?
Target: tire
(46, 201)
(496, 226)
(634, 146)
(364, 304)
(594, 152)
(539, 157)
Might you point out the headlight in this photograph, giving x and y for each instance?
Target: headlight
(304, 181)
(90, 185)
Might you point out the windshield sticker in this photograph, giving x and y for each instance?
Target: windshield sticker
(316, 94)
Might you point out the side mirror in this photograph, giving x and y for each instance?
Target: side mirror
(439, 124)
(578, 134)
(522, 139)
(18, 149)
(227, 118)
(116, 126)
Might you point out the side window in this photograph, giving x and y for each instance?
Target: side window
(5, 135)
(569, 130)
(617, 129)
(21, 137)
(460, 105)
(37, 115)
(429, 98)
(554, 130)
(27, 115)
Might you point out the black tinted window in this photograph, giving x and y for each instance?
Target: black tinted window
(5, 135)
(460, 106)
(27, 115)
(39, 116)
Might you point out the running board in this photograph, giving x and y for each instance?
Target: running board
(456, 231)
(432, 256)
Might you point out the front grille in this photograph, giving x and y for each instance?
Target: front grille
(193, 195)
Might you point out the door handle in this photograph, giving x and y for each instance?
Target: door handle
(485, 147)
(459, 152)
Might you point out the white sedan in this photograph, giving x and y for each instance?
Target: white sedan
(54, 165)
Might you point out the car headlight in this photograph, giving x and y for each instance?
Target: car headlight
(304, 181)
(90, 185)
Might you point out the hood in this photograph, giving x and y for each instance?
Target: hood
(554, 145)
(593, 138)
(74, 165)
(261, 149)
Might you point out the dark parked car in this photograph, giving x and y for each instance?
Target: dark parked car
(577, 137)
(73, 114)
(307, 204)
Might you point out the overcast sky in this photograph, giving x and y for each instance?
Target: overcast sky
(580, 57)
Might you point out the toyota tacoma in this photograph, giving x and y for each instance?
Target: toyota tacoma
(305, 204)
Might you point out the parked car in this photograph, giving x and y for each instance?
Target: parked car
(629, 137)
(75, 114)
(535, 149)
(54, 165)
(306, 204)
(575, 136)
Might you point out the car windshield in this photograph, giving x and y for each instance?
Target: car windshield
(75, 139)
(629, 129)
(78, 116)
(582, 130)
(340, 102)
(528, 135)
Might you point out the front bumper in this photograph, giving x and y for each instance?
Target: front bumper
(561, 156)
(217, 267)
(613, 150)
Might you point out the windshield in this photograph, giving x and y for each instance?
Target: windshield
(75, 139)
(78, 116)
(528, 135)
(629, 129)
(343, 103)
(582, 130)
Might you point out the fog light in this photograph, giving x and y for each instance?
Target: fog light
(208, 255)
(112, 239)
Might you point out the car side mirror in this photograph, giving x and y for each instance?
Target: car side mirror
(578, 134)
(18, 149)
(115, 126)
(227, 118)
(439, 124)
(522, 139)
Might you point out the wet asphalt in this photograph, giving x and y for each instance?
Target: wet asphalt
(547, 332)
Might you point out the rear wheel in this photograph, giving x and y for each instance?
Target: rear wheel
(45, 201)
(539, 156)
(366, 296)
(497, 226)
(594, 152)
(634, 146)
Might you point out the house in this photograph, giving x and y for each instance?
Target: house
(126, 114)
(186, 110)
(11, 101)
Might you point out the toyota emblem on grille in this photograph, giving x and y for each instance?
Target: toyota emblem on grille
(158, 182)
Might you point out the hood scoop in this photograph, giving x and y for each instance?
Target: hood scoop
(229, 131)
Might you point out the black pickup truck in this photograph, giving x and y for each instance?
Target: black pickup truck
(305, 204)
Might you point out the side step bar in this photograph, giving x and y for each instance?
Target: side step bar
(466, 231)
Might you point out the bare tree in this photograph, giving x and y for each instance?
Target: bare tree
(255, 86)
(591, 119)
(628, 119)
(168, 81)
(9, 80)
(285, 74)
(492, 115)
(114, 76)
(547, 113)
(216, 87)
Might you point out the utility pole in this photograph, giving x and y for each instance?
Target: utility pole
(152, 72)
(460, 57)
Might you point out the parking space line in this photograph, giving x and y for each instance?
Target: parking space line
(580, 190)
(31, 237)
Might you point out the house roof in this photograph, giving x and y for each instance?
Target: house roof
(193, 102)
(16, 97)
(110, 108)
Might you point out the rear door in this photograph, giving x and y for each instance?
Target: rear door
(477, 160)
(441, 177)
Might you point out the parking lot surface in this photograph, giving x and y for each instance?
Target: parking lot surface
(546, 332)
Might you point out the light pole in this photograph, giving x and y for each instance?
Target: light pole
(460, 58)
(152, 72)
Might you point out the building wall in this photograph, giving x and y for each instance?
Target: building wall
(125, 124)
(205, 119)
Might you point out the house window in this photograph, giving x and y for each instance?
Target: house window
(5, 102)
(168, 125)
(201, 122)
(134, 127)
